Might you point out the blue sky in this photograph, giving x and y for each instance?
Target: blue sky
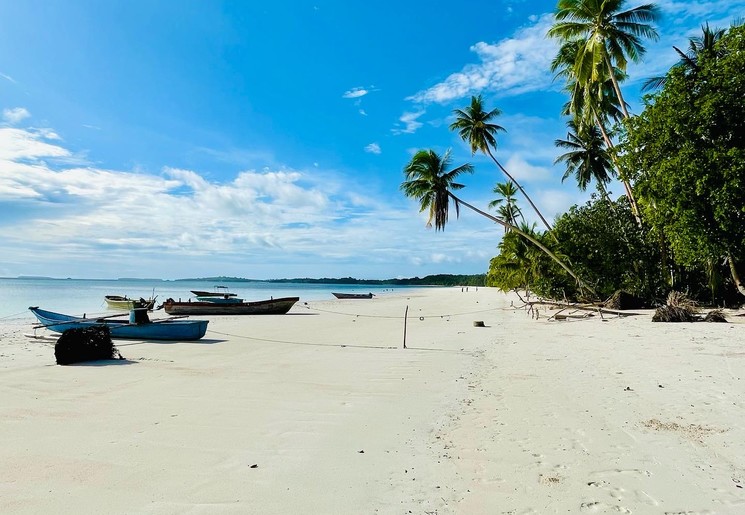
(266, 140)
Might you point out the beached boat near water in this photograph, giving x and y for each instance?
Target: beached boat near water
(220, 291)
(124, 302)
(137, 326)
(352, 295)
(259, 307)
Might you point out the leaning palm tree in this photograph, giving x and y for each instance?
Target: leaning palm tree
(697, 46)
(506, 204)
(475, 125)
(610, 36)
(429, 181)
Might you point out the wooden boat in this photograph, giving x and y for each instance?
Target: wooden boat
(141, 329)
(124, 302)
(352, 295)
(220, 291)
(259, 307)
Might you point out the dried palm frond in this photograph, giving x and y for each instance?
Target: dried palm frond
(681, 300)
(674, 314)
(716, 315)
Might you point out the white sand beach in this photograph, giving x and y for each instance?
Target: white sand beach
(322, 411)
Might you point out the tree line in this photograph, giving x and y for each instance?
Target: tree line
(680, 224)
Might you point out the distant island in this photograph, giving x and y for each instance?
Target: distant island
(429, 280)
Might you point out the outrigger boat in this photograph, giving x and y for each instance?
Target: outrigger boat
(138, 326)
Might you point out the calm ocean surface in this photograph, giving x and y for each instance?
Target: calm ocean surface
(78, 296)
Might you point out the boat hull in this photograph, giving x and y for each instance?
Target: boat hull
(352, 295)
(260, 307)
(182, 330)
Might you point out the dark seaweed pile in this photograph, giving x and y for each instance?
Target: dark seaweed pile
(85, 344)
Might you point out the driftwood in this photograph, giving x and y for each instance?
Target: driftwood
(593, 308)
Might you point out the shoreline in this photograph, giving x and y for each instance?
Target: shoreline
(522, 415)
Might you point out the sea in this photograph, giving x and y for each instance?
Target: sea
(86, 296)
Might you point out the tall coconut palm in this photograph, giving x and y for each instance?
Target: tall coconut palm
(428, 180)
(592, 101)
(475, 126)
(611, 36)
(697, 46)
(506, 204)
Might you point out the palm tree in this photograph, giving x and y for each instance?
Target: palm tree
(506, 205)
(697, 46)
(609, 36)
(475, 126)
(592, 101)
(518, 264)
(587, 159)
(429, 181)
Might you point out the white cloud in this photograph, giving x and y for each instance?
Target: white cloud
(8, 78)
(19, 144)
(523, 171)
(15, 115)
(373, 148)
(179, 222)
(355, 93)
(410, 123)
(362, 112)
(515, 65)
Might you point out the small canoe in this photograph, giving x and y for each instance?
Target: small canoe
(124, 302)
(165, 329)
(352, 295)
(260, 307)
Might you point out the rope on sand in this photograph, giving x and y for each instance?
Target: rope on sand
(421, 317)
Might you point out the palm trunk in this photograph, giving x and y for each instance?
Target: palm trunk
(548, 226)
(619, 96)
(626, 185)
(735, 276)
(616, 87)
(528, 237)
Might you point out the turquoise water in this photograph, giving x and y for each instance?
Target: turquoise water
(78, 296)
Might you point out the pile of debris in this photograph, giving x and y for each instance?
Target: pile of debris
(85, 344)
(680, 308)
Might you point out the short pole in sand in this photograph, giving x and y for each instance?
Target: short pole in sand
(406, 314)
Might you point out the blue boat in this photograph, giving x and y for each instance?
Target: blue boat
(138, 326)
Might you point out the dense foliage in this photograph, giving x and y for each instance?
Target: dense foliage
(681, 224)
(604, 244)
(686, 154)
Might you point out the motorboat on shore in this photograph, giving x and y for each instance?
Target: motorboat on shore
(220, 291)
